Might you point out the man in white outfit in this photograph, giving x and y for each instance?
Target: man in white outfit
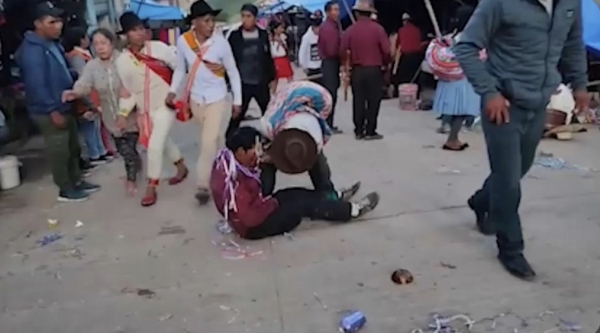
(203, 58)
(145, 68)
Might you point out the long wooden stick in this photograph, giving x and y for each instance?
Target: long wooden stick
(436, 27)
(346, 69)
(397, 60)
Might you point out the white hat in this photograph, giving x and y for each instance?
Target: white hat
(405, 16)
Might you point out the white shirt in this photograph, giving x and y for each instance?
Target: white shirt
(278, 50)
(308, 54)
(207, 87)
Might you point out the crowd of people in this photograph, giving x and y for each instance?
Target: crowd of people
(137, 93)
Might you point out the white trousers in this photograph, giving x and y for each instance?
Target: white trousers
(209, 118)
(160, 143)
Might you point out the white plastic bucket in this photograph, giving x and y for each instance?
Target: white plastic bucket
(9, 172)
(306, 122)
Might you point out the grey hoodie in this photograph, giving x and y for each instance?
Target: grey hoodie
(524, 45)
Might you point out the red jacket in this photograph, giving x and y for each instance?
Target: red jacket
(252, 209)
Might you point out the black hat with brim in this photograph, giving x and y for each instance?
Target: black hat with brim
(47, 9)
(130, 21)
(199, 9)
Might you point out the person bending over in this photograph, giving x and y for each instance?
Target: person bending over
(236, 190)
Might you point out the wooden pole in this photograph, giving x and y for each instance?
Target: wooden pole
(346, 69)
(431, 13)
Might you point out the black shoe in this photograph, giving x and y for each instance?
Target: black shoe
(86, 165)
(72, 195)
(87, 187)
(336, 130)
(368, 203)
(98, 161)
(359, 136)
(483, 222)
(517, 265)
(374, 136)
(347, 193)
(202, 196)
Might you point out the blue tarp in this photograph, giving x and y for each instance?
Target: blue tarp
(310, 5)
(591, 25)
(151, 10)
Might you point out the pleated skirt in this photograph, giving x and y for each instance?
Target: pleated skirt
(456, 98)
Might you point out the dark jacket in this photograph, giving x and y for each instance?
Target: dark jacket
(44, 75)
(524, 46)
(236, 40)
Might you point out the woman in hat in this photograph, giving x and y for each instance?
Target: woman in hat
(100, 74)
(146, 69)
(236, 188)
(279, 52)
(455, 100)
(207, 59)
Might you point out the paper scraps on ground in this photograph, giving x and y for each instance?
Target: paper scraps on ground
(78, 224)
(549, 161)
(52, 223)
(320, 301)
(228, 308)
(231, 250)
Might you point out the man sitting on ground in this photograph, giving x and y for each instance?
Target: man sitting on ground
(236, 190)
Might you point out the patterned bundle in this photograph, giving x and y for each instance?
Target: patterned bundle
(441, 59)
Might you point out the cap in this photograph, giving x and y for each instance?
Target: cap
(47, 8)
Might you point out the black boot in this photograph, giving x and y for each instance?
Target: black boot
(483, 222)
(517, 265)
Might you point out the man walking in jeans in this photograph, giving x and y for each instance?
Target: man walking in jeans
(46, 75)
(525, 40)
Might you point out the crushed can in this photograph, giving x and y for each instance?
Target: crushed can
(352, 322)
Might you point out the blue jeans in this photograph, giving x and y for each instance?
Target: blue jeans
(90, 131)
(511, 151)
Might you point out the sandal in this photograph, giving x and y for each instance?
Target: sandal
(461, 148)
(150, 199)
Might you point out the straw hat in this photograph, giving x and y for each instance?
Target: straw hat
(293, 151)
(364, 6)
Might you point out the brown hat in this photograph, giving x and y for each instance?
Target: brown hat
(364, 6)
(293, 151)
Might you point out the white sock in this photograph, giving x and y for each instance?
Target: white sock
(354, 210)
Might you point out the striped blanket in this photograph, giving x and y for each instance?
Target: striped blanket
(300, 96)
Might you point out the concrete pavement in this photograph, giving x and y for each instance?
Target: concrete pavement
(88, 281)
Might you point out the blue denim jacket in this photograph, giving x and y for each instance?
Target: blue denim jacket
(44, 74)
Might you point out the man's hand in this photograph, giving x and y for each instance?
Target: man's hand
(236, 111)
(496, 109)
(57, 119)
(582, 101)
(69, 95)
(170, 100)
(265, 158)
(89, 115)
(121, 122)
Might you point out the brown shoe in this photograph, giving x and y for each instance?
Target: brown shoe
(182, 173)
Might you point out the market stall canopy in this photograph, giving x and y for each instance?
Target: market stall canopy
(154, 11)
(591, 25)
(313, 5)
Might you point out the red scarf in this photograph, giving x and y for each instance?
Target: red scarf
(157, 66)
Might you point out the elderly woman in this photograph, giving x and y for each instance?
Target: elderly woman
(100, 74)
(76, 44)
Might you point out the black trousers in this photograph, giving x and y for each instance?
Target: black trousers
(262, 95)
(367, 95)
(296, 204)
(409, 65)
(315, 72)
(511, 150)
(331, 81)
(320, 176)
